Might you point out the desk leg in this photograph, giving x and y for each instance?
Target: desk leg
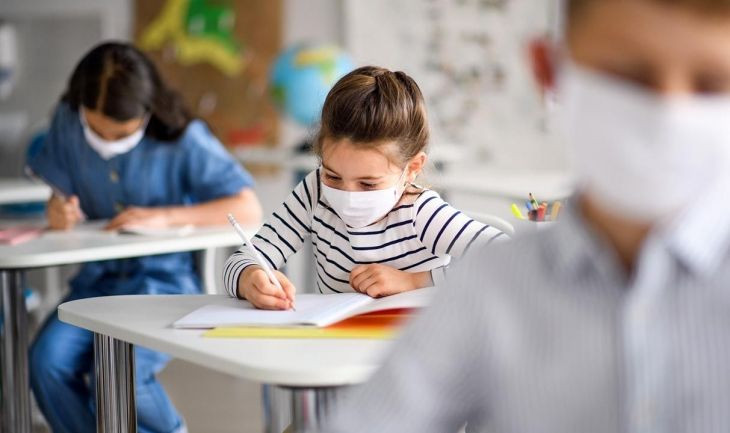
(208, 271)
(15, 391)
(116, 411)
(308, 408)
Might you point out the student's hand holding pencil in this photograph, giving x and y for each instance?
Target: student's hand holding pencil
(64, 214)
(254, 285)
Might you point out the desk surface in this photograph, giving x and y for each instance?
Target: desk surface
(509, 184)
(19, 190)
(145, 320)
(88, 242)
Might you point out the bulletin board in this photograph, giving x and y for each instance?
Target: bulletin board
(469, 58)
(217, 54)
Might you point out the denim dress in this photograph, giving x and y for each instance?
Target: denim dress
(193, 169)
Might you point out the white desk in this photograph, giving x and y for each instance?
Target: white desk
(21, 190)
(86, 243)
(89, 242)
(312, 369)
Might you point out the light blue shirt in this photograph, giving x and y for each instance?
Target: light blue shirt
(549, 334)
(194, 169)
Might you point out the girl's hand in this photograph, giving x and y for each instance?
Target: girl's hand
(379, 280)
(141, 217)
(255, 287)
(63, 214)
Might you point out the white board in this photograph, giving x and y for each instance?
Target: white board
(470, 59)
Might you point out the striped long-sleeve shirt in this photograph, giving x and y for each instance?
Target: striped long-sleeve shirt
(421, 233)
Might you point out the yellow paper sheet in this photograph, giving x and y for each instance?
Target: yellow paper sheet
(316, 333)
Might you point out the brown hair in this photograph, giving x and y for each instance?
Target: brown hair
(372, 105)
(575, 7)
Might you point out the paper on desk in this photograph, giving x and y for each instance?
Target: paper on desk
(312, 310)
(155, 231)
(309, 333)
(96, 228)
(373, 326)
(18, 235)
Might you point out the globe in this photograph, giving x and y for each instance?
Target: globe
(302, 76)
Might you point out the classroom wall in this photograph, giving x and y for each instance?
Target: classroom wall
(316, 21)
(67, 29)
(470, 59)
(52, 36)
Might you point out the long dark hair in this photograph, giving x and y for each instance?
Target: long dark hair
(118, 80)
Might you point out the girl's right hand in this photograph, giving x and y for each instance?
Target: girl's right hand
(63, 214)
(254, 286)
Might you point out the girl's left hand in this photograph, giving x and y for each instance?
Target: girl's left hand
(379, 280)
(140, 217)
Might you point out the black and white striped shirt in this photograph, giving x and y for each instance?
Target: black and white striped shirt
(421, 235)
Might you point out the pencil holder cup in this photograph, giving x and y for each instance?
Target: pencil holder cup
(527, 226)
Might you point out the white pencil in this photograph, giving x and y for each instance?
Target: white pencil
(257, 256)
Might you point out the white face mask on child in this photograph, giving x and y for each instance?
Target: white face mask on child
(642, 155)
(359, 209)
(108, 149)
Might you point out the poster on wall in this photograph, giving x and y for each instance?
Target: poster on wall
(217, 53)
(470, 59)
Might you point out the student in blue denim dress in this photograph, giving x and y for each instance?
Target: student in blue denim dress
(123, 148)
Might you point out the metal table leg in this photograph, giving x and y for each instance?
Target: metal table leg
(15, 391)
(116, 411)
(308, 407)
(208, 271)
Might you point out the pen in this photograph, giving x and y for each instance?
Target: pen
(516, 212)
(535, 205)
(541, 212)
(555, 211)
(259, 260)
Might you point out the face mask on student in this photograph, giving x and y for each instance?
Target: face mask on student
(359, 209)
(639, 154)
(108, 149)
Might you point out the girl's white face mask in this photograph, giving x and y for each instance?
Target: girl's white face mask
(108, 149)
(641, 155)
(359, 209)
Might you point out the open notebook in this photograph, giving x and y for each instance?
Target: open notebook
(312, 310)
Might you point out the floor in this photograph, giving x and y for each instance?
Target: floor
(213, 402)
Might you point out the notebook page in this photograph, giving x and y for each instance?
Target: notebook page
(419, 298)
(312, 310)
(158, 231)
